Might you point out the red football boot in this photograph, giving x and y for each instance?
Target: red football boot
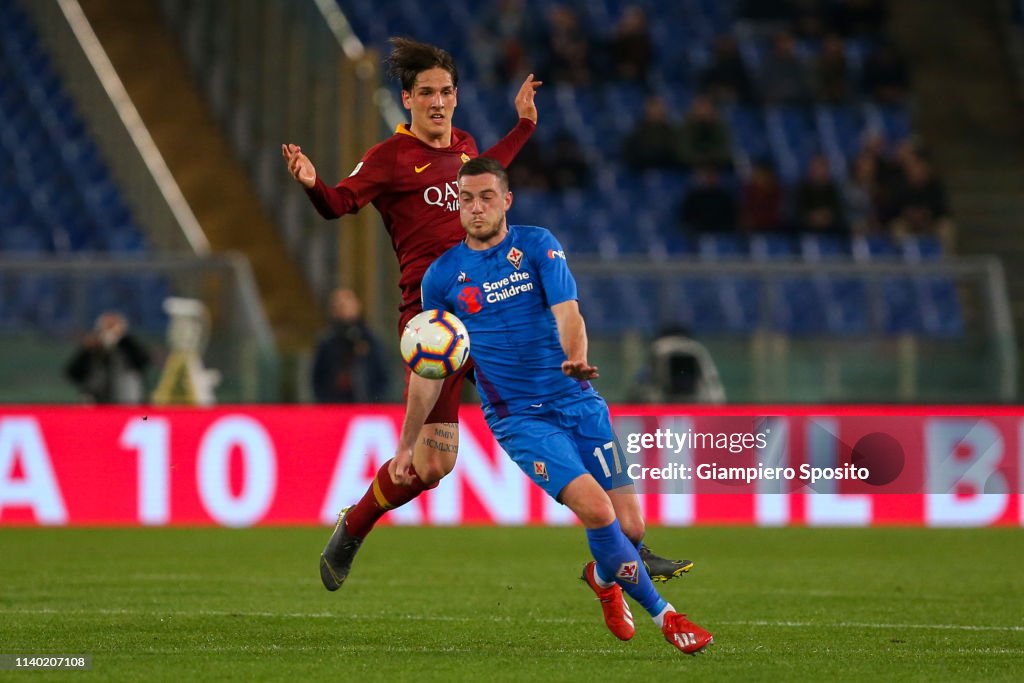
(617, 616)
(684, 634)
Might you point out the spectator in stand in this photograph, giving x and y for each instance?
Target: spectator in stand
(529, 169)
(886, 78)
(109, 365)
(349, 366)
(785, 79)
(809, 20)
(708, 206)
(567, 167)
(859, 195)
(567, 49)
(508, 36)
(705, 139)
(761, 200)
(818, 205)
(653, 141)
(832, 73)
(922, 205)
(764, 15)
(888, 174)
(857, 18)
(631, 49)
(726, 78)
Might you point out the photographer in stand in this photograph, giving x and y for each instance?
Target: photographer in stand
(109, 365)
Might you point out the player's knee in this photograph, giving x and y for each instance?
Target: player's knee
(433, 469)
(633, 528)
(435, 454)
(595, 513)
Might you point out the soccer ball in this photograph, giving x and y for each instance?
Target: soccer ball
(435, 344)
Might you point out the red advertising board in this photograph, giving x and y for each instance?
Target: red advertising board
(765, 465)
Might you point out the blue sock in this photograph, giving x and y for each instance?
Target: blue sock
(618, 559)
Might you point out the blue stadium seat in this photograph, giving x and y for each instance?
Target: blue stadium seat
(817, 248)
(724, 246)
(773, 247)
(799, 307)
(901, 306)
(59, 197)
(917, 248)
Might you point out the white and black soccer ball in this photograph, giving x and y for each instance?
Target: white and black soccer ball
(435, 344)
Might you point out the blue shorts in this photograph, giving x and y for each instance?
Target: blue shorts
(563, 439)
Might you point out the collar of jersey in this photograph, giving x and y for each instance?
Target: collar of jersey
(403, 129)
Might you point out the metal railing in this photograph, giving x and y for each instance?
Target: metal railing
(47, 303)
(763, 359)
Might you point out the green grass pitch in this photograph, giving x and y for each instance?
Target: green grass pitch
(451, 604)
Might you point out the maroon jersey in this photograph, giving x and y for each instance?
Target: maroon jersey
(414, 187)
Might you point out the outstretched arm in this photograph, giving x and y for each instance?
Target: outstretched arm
(572, 334)
(506, 149)
(330, 202)
(423, 394)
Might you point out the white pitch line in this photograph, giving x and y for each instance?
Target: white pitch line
(859, 625)
(492, 618)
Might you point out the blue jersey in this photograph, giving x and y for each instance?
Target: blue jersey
(504, 296)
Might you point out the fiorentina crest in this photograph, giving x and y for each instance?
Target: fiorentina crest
(515, 257)
(541, 469)
(628, 571)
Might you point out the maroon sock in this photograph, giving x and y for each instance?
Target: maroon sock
(382, 495)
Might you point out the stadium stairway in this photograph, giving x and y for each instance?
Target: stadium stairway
(214, 183)
(970, 117)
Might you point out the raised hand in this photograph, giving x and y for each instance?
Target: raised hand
(299, 165)
(579, 369)
(524, 99)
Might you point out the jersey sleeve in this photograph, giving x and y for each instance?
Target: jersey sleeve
(368, 179)
(431, 291)
(555, 277)
(506, 149)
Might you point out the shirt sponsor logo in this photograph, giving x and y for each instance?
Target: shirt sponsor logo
(420, 169)
(628, 571)
(508, 287)
(556, 253)
(541, 470)
(469, 300)
(515, 257)
(444, 196)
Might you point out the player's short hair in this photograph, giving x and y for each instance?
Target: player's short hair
(484, 165)
(409, 58)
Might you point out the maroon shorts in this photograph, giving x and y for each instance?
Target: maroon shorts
(447, 407)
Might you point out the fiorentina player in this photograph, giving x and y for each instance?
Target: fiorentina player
(411, 179)
(529, 348)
